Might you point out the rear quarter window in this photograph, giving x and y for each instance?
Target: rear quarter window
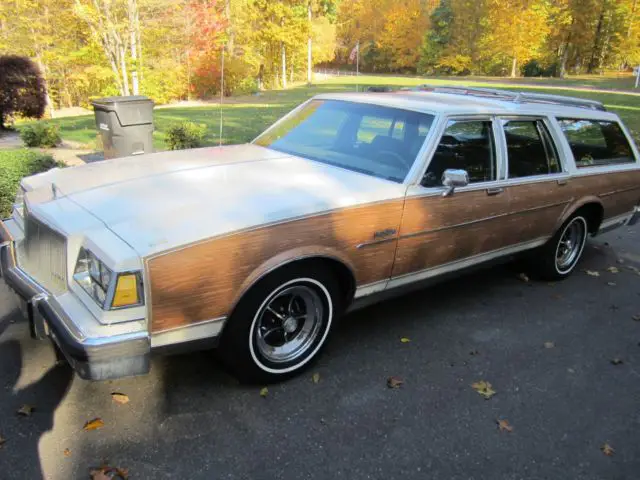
(596, 143)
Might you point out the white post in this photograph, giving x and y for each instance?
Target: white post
(221, 95)
(637, 71)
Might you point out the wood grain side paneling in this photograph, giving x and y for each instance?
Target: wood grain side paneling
(437, 230)
(202, 281)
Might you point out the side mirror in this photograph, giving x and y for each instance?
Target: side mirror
(453, 179)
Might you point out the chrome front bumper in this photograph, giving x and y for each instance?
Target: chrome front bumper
(94, 358)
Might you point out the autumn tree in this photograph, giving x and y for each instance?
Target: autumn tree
(518, 29)
(22, 88)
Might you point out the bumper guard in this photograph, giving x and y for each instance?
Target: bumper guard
(94, 358)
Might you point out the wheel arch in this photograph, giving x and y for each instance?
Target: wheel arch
(337, 262)
(592, 209)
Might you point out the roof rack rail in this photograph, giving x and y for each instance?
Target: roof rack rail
(510, 95)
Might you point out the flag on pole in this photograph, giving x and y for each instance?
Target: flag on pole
(353, 56)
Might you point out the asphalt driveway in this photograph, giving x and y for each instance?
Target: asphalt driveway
(546, 349)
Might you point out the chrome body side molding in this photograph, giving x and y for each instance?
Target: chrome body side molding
(416, 278)
(208, 329)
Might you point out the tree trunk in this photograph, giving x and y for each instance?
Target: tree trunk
(309, 45)
(139, 46)
(514, 67)
(231, 34)
(562, 71)
(284, 66)
(123, 71)
(595, 54)
(632, 17)
(132, 11)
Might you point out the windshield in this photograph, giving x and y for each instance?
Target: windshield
(378, 141)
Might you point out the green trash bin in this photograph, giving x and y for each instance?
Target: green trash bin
(125, 125)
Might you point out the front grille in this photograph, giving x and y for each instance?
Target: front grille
(43, 255)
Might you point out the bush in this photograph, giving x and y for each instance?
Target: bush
(22, 88)
(40, 135)
(15, 164)
(185, 135)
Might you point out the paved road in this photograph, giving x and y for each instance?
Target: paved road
(188, 419)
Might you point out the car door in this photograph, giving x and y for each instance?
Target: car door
(537, 183)
(440, 233)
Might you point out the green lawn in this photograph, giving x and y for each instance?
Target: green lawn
(245, 117)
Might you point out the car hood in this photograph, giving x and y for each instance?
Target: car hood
(163, 201)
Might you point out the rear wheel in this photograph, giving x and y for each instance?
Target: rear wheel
(281, 324)
(561, 254)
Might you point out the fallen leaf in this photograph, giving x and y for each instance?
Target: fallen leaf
(120, 398)
(611, 284)
(26, 410)
(613, 270)
(99, 475)
(394, 382)
(524, 277)
(264, 392)
(484, 389)
(405, 340)
(109, 473)
(2, 441)
(636, 318)
(617, 361)
(549, 344)
(67, 452)
(607, 450)
(315, 377)
(503, 426)
(94, 424)
(592, 273)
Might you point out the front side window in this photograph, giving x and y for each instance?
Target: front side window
(596, 143)
(530, 149)
(379, 141)
(465, 145)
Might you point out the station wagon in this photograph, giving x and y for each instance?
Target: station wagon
(257, 249)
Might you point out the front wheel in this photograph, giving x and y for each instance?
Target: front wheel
(562, 253)
(281, 324)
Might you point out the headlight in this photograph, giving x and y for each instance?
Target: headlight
(93, 276)
(108, 289)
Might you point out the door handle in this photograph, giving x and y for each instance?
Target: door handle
(563, 181)
(495, 191)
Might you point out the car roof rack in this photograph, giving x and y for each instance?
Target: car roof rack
(510, 95)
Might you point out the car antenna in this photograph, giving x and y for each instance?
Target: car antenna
(221, 92)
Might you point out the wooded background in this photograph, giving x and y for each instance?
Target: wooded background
(170, 49)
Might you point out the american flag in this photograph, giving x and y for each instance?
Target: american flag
(354, 53)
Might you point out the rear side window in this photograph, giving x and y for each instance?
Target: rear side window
(530, 149)
(596, 143)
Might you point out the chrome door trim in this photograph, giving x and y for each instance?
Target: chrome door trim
(370, 289)
(465, 263)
